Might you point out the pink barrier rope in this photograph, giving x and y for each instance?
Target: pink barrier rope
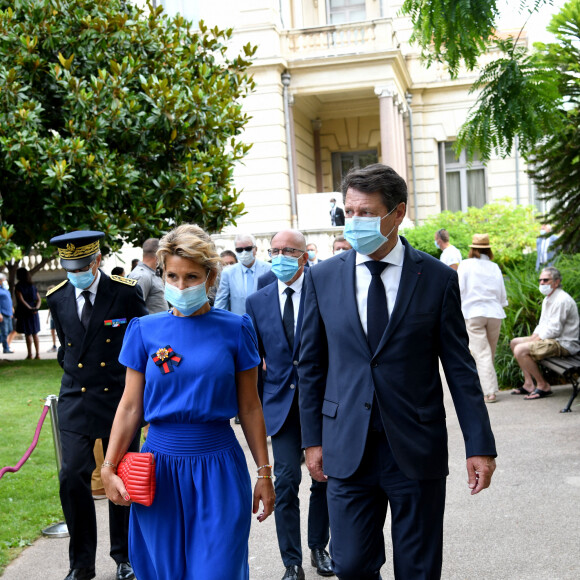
(30, 449)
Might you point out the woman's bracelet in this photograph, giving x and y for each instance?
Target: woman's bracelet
(109, 464)
(265, 477)
(262, 467)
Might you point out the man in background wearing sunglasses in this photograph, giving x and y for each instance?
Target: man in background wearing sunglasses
(555, 335)
(241, 280)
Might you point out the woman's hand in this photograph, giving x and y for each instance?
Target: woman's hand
(264, 492)
(114, 487)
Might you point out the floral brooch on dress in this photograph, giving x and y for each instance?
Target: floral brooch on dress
(165, 358)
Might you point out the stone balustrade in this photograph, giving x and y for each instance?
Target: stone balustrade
(353, 37)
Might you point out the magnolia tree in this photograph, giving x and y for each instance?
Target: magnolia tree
(114, 118)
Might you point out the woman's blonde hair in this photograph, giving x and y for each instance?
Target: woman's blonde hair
(191, 242)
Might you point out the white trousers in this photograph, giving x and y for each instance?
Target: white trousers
(483, 336)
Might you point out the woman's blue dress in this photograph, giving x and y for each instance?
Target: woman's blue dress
(199, 523)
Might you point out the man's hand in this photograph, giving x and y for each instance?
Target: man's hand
(480, 468)
(313, 457)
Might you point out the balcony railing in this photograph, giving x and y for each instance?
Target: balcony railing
(340, 39)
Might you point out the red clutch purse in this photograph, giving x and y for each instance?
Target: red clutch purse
(137, 470)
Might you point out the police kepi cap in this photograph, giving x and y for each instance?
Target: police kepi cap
(77, 249)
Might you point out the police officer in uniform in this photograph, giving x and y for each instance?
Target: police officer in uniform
(91, 312)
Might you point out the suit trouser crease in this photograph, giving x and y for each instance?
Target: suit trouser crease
(358, 507)
(287, 452)
(78, 463)
(483, 336)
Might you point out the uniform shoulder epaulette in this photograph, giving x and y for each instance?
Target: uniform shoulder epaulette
(123, 280)
(49, 292)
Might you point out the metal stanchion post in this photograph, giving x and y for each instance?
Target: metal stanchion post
(58, 530)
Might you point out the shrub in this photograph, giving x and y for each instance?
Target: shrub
(512, 230)
(523, 311)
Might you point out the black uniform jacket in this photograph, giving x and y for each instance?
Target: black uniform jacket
(93, 380)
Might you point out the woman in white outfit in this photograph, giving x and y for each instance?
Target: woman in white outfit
(483, 297)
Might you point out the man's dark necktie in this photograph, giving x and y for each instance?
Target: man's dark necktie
(87, 309)
(288, 317)
(377, 320)
(377, 311)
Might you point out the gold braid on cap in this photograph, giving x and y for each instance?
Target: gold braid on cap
(71, 252)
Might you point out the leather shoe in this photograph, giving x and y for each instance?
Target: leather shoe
(294, 573)
(320, 559)
(80, 574)
(125, 571)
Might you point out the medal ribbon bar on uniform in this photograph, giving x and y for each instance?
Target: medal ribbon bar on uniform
(115, 322)
(165, 358)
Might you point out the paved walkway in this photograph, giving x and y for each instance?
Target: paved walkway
(525, 527)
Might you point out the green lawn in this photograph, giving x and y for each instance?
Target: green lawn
(28, 498)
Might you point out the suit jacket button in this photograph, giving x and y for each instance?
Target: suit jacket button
(80, 365)
(69, 343)
(108, 340)
(102, 364)
(374, 365)
(84, 389)
(367, 405)
(292, 386)
(106, 389)
(295, 363)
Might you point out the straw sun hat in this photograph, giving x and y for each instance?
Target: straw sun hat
(480, 241)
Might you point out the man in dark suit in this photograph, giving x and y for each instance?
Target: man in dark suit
(336, 214)
(371, 399)
(91, 312)
(276, 312)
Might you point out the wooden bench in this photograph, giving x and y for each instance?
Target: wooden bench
(569, 368)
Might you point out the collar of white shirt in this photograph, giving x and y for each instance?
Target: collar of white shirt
(395, 256)
(296, 285)
(92, 289)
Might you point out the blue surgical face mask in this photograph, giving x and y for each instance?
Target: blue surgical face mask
(436, 244)
(311, 255)
(81, 280)
(285, 267)
(188, 300)
(364, 233)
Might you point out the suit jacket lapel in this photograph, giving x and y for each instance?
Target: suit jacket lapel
(409, 277)
(296, 348)
(348, 282)
(106, 293)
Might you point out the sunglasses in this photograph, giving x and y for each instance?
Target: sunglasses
(244, 249)
(545, 279)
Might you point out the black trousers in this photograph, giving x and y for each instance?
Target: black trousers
(287, 451)
(358, 508)
(78, 463)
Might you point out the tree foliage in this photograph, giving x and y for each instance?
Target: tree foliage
(116, 119)
(518, 94)
(452, 31)
(515, 91)
(556, 159)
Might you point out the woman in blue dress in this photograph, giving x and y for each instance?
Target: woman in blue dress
(189, 371)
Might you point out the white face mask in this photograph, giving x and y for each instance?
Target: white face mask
(247, 257)
(546, 289)
(5, 285)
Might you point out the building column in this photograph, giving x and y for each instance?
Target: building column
(402, 141)
(316, 126)
(387, 124)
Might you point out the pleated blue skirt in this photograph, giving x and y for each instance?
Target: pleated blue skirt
(197, 527)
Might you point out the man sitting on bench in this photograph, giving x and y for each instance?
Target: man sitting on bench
(555, 335)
